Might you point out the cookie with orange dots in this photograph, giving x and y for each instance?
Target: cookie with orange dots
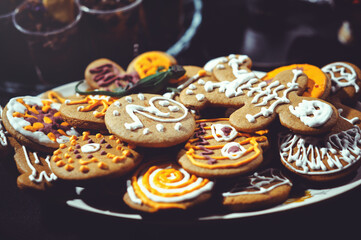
(36, 123)
(150, 120)
(318, 84)
(34, 168)
(260, 190)
(86, 112)
(160, 186)
(108, 75)
(148, 63)
(218, 150)
(94, 156)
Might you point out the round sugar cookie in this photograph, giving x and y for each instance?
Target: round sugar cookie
(163, 186)
(149, 120)
(218, 150)
(94, 156)
(260, 190)
(36, 123)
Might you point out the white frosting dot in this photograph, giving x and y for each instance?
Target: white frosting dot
(189, 92)
(200, 97)
(129, 99)
(160, 127)
(116, 113)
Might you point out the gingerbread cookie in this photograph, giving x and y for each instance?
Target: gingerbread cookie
(242, 64)
(318, 84)
(260, 190)
(162, 186)
(86, 112)
(36, 173)
(107, 75)
(4, 146)
(260, 103)
(149, 63)
(94, 156)
(149, 120)
(36, 123)
(218, 150)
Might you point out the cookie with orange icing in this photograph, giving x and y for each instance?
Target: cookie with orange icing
(149, 63)
(260, 190)
(108, 75)
(218, 150)
(94, 156)
(86, 112)
(36, 123)
(149, 120)
(160, 186)
(318, 84)
(34, 168)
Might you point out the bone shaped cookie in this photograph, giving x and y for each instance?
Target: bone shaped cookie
(260, 103)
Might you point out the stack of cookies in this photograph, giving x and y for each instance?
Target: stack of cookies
(218, 132)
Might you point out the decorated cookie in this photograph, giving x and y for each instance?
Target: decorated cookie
(106, 74)
(34, 167)
(164, 186)
(148, 63)
(241, 62)
(260, 190)
(218, 150)
(149, 120)
(86, 112)
(318, 84)
(36, 123)
(94, 156)
(4, 146)
(260, 103)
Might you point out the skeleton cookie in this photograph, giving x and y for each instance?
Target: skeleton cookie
(218, 150)
(260, 103)
(149, 120)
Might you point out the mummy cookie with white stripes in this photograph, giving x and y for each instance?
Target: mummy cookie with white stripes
(93, 157)
(218, 150)
(34, 168)
(323, 158)
(36, 123)
(258, 191)
(149, 120)
(260, 103)
(164, 186)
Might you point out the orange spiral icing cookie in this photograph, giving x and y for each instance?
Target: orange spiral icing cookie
(93, 156)
(156, 186)
(318, 85)
(218, 150)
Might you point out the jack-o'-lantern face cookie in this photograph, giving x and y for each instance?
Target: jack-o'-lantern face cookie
(106, 74)
(149, 120)
(94, 156)
(218, 150)
(36, 123)
(260, 190)
(259, 103)
(86, 112)
(163, 186)
(34, 168)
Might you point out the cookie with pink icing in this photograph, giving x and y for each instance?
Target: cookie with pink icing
(149, 120)
(259, 103)
(36, 123)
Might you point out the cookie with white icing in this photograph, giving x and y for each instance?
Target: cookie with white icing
(258, 191)
(149, 120)
(86, 112)
(34, 168)
(259, 103)
(36, 123)
(160, 186)
(218, 150)
(94, 156)
(4, 145)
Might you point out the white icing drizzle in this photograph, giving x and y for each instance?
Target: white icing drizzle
(3, 139)
(231, 153)
(219, 134)
(157, 115)
(211, 64)
(259, 182)
(312, 153)
(345, 79)
(312, 113)
(164, 103)
(100, 97)
(173, 108)
(43, 175)
(90, 147)
(353, 121)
